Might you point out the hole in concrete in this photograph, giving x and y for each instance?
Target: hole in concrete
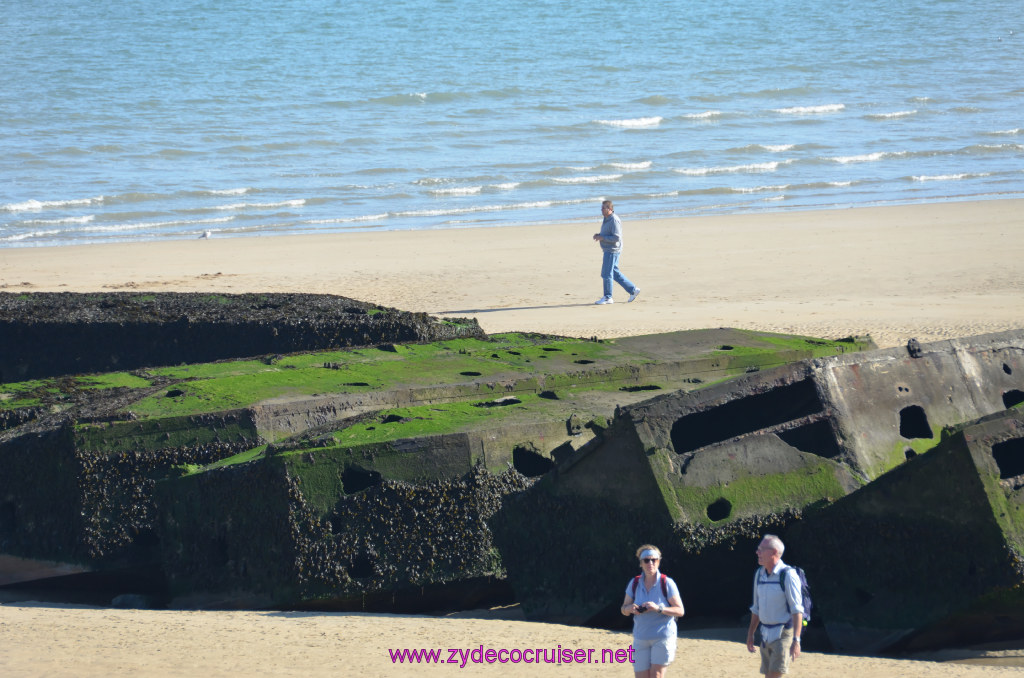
(529, 463)
(1013, 398)
(1009, 456)
(635, 389)
(355, 479)
(719, 510)
(220, 552)
(737, 417)
(583, 361)
(909, 453)
(548, 395)
(914, 423)
(815, 438)
(500, 402)
(361, 567)
(470, 374)
(1006, 368)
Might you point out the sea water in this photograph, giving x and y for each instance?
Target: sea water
(144, 120)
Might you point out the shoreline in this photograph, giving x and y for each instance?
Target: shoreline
(931, 271)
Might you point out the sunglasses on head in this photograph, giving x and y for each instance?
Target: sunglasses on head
(650, 560)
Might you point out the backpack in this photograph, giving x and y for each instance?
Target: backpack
(805, 591)
(664, 586)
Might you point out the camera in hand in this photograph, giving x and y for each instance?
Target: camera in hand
(644, 607)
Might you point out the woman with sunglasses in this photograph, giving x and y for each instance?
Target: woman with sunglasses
(653, 600)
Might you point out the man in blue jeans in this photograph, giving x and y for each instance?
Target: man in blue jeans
(610, 238)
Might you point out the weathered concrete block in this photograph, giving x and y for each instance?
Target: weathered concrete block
(929, 554)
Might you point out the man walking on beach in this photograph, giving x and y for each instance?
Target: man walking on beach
(778, 608)
(610, 238)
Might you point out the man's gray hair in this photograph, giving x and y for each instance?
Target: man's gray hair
(775, 543)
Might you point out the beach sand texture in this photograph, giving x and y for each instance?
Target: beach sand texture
(77, 641)
(930, 271)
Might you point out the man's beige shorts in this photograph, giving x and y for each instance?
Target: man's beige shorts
(775, 656)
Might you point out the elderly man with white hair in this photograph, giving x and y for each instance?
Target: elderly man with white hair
(777, 609)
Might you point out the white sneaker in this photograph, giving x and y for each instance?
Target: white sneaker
(605, 300)
(636, 293)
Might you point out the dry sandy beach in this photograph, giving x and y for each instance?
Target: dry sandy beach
(927, 271)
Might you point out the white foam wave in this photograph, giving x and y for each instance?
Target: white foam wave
(949, 177)
(777, 148)
(509, 186)
(653, 121)
(261, 205)
(754, 167)
(594, 179)
(31, 234)
(703, 116)
(1009, 132)
(631, 165)
(761, 189)
(463, 190)
(144, 225)
(867, 157)
(805, 110)
(349, 220)
(890, 116)
(66, 220)
(39, 205)
(229, 191)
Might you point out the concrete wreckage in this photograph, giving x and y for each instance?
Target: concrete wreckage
(447, 472)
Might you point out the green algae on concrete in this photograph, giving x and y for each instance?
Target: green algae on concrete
(367, 429)
(929, 550)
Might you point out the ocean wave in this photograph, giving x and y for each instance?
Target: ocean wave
(633, 123)
(507, 186)
(1007, 132)
(261, 205)
(949, 177)
(461, 190)
(868, 157)
(993, 148)
(594, 179)
(806, 110)
(733, 169)
(761, 189)
(57, 222)
(441, 212)
(657, 100)
(226, 191)
(39, 205)
(18, 237)
(631, 165)
(144, 225)
(889, 116)
(703, 116)
(349, 220)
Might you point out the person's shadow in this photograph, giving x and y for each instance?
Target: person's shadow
(472, 311)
